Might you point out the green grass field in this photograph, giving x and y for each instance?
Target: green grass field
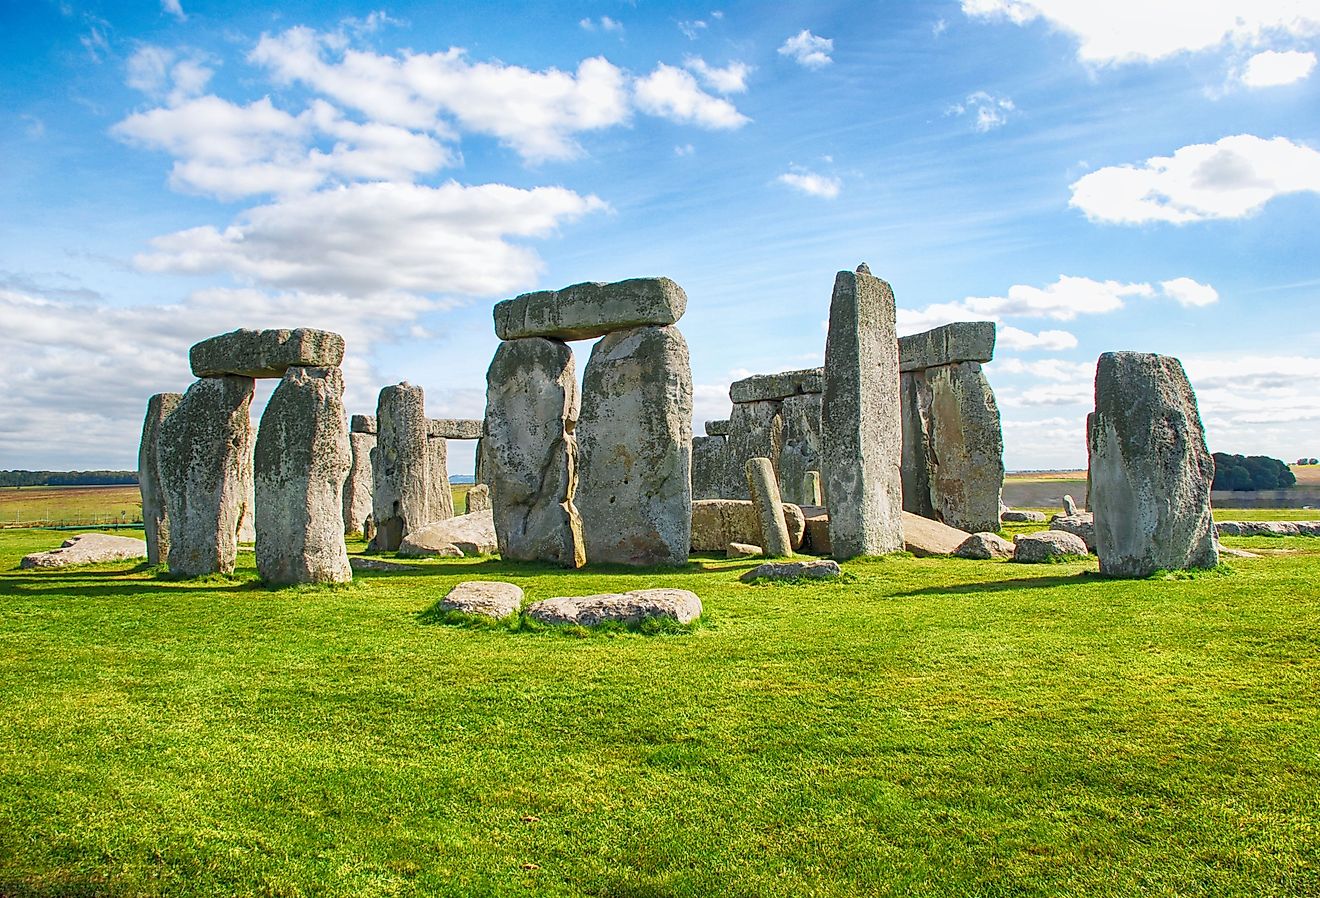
(926, 727)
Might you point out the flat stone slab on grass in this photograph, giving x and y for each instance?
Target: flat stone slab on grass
(1268, 528)
(489, 598)
(632, 607)
(794, 570)
(923, 537)
(473, 534)
(590, 310)
(762, 387)
(985, 546)
(361, 563)
(1013, 516)
(1226, 552)
(1047, 545)
(266, 353)
(87, 548)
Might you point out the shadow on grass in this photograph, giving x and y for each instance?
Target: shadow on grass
(1078, 579)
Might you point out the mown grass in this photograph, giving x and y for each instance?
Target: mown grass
(927, 726)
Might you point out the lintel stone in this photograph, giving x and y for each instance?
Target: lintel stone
(590, 310)
(362, 424)
(266, 353)
(962, 341)
(455, 428)
(765, 387)
(717, 428)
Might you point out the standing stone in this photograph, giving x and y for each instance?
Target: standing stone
(1150, 469)
(707, 467)
(1069, 505)
(478, 498)
(441, 495)
(204, 454)
(800, 452)
(635, 446)
(155, 520)
(861, 427)
(302, 458)
(478, 463)
(811, 491)
(529, 453)
(400, 466)
(756, 430)
(763, 486)
(357, 488)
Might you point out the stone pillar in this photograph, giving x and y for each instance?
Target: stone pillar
(358, 485)
(707, 467)
(756, 430)
(155, 520)
(801, 447)
(860, 416)
(204, 457)
(811, 492)
(441, 496)
(1150, 469)
(302, 458)
(764, 488)
(530, 451)
(400, 468)
(478, 498)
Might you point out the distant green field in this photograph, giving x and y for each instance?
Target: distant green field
(70, 504)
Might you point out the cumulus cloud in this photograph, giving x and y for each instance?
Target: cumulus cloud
(672, 93)
(1009, 337)
(987, 110)
(809, 50)
(731, 79)
(170, 75)
(1231, 178)
(1063, 300)
(1187, 292)
(811, 183)
(1272, 68)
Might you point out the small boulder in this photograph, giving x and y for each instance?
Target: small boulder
(743, 550)
(489, 598)
(87, 548)
(923, 537)
(1081, 524)
(1014, 516)
(823, 569)
(984, 546)
(1047, 545)
(626, 608)
(473, 534)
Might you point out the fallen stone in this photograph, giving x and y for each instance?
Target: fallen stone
(717, 428)
(1033, 548)
(769, 509)
(400, 466)
(742, 550)
(707, 467)
(1012, 516)
(155, 519)
(800, 451)
(1268, 528)
(472, 533)
(1226, 552)
(478, 499)
(357, 486)
(266, 353)
(488, 598)
(362, 424)
(984, 546)
(362, 563)
(1081, 525)
(626, 608)
(761, 387)
(87, 548)
(718, 522)
(962, 341)
(455, 428)
(822, 569)
(591, 310)
(923, 537)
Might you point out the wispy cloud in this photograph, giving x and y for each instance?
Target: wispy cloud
(812, 184)
(809, 50)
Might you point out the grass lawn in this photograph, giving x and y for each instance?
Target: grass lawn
(926, 727)
(70, 503)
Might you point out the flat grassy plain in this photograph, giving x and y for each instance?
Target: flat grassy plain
(925, 726)
(70, 503)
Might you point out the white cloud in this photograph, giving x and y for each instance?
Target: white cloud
(1063, 300)
(1231, 178)
(605, 23)
(732, 79)
(672, 93)
(1009, 337)
(812, 184)
(692, 28)
(1123, 31)
(174, 8)
(1056, 370)
(1272, 68)
(808, 50)
(1187, 292)
(989, 111)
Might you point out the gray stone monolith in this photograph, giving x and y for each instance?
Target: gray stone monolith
(756, 430)
(529, 453)
(861, 429)
(400, 466)
(812, 494)
(204, 458)
(707, 467)
(155, 519)
(1150, 469)
(301, 461)
(441, 495)
(635, 449)
(357, 486)
(800, 451)
(764, 488)
(478, 498)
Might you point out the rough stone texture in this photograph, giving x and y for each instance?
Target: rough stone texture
(742, 550)
(360, 563)
(769, 509)
(455, 428)
(488, 598)
(816, 530)
(204, 455)
(247, 523)
(626, 608)
(529, 454)
(87, 548)
(155, 521)
(860, 418)
(962, 341)
(362, 424)
(756, 430)
(357, 486)
(1268, 528)
(478, 498)
(811, 491)
(266, 353)
(1081, 525)
(801, 449)
(760, 387)
(1069, 505)
(718, 428)
(439, 493)
(635, 446)
(1032, 548)
(472, 533)
(400, 466)
(301, 461)
(587, 311)
(922, 536)
(984, 546)
(793, 570)
(707, 467)
(1150, 469)
(718, 522)
(1022, 517)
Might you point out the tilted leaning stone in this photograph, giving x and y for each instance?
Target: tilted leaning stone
(587, 311)
(400, 466)
(962, 341)
(764, 488)
(761, 387)
(266, 353)
(1150, 470)
(155, 520)
(358, 484)
(301, 461)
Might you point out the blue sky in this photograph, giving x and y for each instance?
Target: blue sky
(1129, 175)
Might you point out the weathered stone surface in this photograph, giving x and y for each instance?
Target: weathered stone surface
(801, 449)
(400, 466)
(761, 387)
(266, 353)
(984, 546)
(816, 530)
(860, 417)
(793, 570)
(718, 428)
(455, 428)
(1150, 469)
(362, 424)
(922, 536)
(204, 455)
(1081, 525)
(440, 494)
(87, 548)
(529, 454)
(718, 522)
(301, 461)
(756, 430)
(155, 520)
(742, 550)
(1032, 548)
(361, 563)
(357, 486)
(587, 311)
(949, 344)
(478, 498)
(812, 494)
(769, 509)
(488, 598)
(473, 533)
(1013, 516)
(626, 608)
(707, 467)
(1069, 505)
(1268, 528)
(635, 445)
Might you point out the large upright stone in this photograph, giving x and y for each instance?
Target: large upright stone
(204, 455)
(301, 460)
(949, 344)
(587, 311)
(266, 353)
(756, 430)
(400, 466)
(529, 453)
(358, 485)
(860, 417)
(1150, 468)
(800, 451)
(707, 467)
(155, 519)
(440, 493)
(635, 445)
(760, 387)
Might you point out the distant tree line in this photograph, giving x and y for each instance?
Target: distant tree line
(67, 478)
(1308, 461)
(1251, 472)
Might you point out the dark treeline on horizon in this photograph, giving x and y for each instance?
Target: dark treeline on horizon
(67, 478)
